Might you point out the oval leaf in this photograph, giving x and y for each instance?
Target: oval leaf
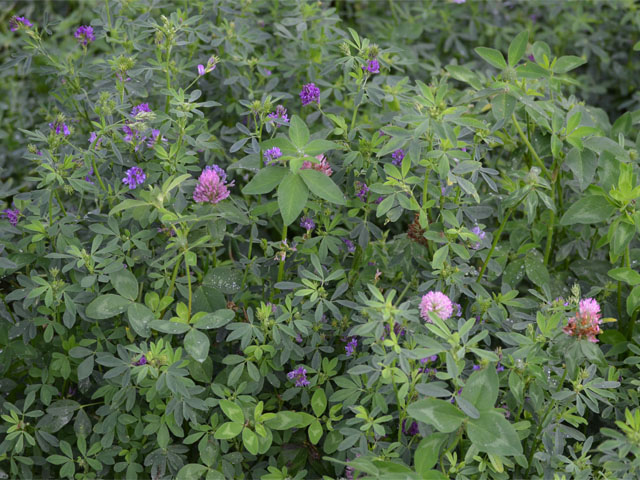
(107, 306)
(292, 197)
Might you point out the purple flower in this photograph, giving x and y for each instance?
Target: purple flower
(267, 73)
(271, 155)
(349, 244)
(155, 135)
(432, 358)
(141, 361)
(307, 223)
(60, 128)
(453, 398)
(300, 376)
(350, 348)
(85, 35)
(458, 309)
(476, 367)
(212, 186)
(201, 70)
(88, 177)
(309, 94)
(11, 214)
(481, 234)
(143, 107)
(378, 200)
(322, 166)
(412, 430)
(134, 177)
(436, 302)
(93, 137)
(279, 114)
(18, 22)
(499, 367)
(362, 194)
(372, 66)
(397, 157)
(531, 57)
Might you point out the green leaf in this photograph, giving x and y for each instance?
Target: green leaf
(493, 434)
(127, 205)
(536, 271)
(587, 211)
(298, 132)
(315, 432)
(426, 455)
(625, 274)
(568, 63)
(633, 300)
(284, 420)
(217, 319)
(191, 471)
(85, 368)
(197, 345)
(231, 410)
(125, 284)
(481, 388)
(492, 56)
(517, 48)
(250, 441)
(503, 106)
(582, 165)
(292, 197)
(265, 180)
(441, 414)
(107, 306)
(226, 279)
(173, 328)
(316, 147)
(322, 186)
(319, 402)
(228, 430)
(140, 316)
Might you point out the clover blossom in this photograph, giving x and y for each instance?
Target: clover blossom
(436, 302)
(397, 157)
(349, 244)
(300, 376)
(309, 94)
(212, 186)
(85, 35)
(350, 348)
(322, 166)
(60, 128)
(155, 136)
(143, 107)
(11, 214)
(16, 23)
(93, 137)
(141, 361)
(586, 322)
(271, 155)
(362, 193)
(279, 114)
(134, 177)
(411, 430)
(372, 66)
(307, 223)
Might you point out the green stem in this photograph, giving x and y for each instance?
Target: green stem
(97, 173)
(168, 74)
(496, 237)
(186, 265)
(64, 212)
(550, 226)
(106, 3)
(172, 284)
(246, 270)
(529, 146)
(536, 440)
(281, 266)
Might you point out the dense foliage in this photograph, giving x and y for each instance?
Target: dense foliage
(284, 239)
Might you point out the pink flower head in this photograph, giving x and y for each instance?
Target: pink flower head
(436, 302)
(586, 322)
(322, 166)
(212, 186)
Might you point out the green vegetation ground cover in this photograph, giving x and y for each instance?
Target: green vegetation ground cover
(303, 239)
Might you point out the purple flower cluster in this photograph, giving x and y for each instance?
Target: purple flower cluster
(134, 177)
(397, 157)
(271, 155)
(300, 376)
(309, 94)
(11, 214)
(279, 114)
(143, 107)
(350, 348)
(372, 66)
(88, 177)
(93, 137)
(132, 134)
(212, 186)
(60, 128)
(436, 302)
(397, 330)
(481, 234)
(307, 223)
(349, 244)
(16, 23)
(85, 35)
(411, 430)
(362, 193)
(211, 66)
(141, 361)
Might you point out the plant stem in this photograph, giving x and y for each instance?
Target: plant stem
(97, 173)
(496, 237)
(552, 219)
(529, 146)
(64, 212)
(186, 265)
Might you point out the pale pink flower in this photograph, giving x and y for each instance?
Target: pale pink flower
(436, 302)
(586, 322)
(212, 186)
(322, 166)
